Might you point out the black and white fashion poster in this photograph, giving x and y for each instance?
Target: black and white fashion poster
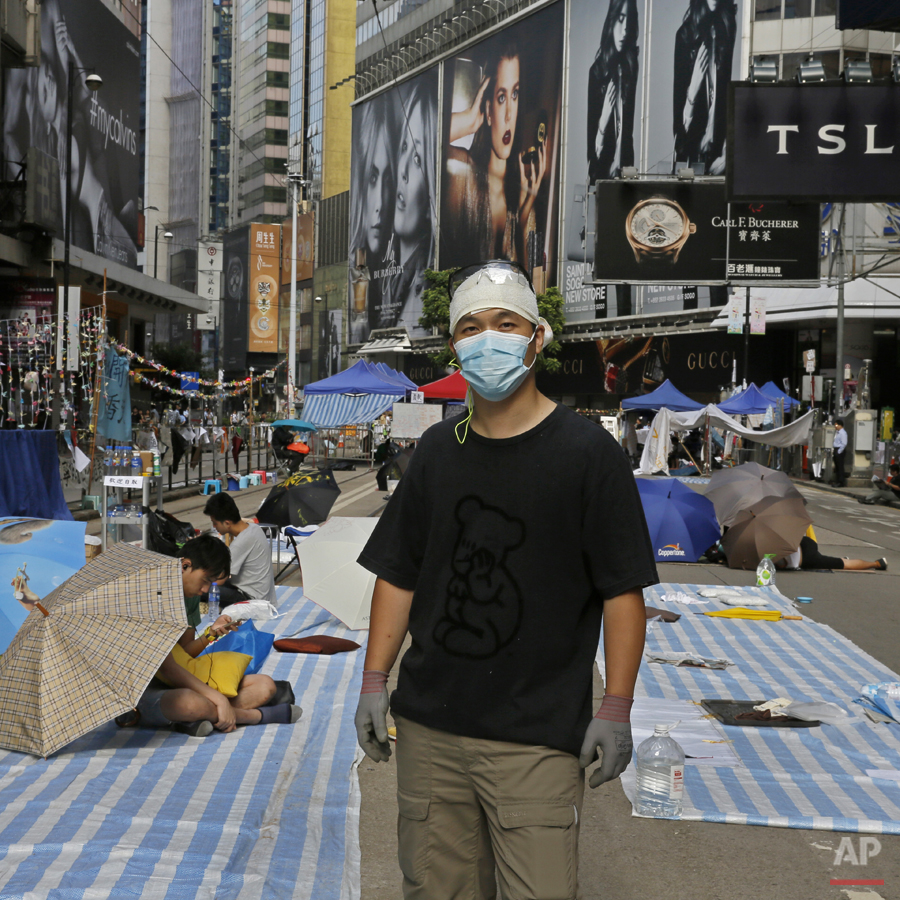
(693, 54)
(604, 122)
(393, 207)
(105, 123)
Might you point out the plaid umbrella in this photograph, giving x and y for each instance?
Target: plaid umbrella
(89, 649)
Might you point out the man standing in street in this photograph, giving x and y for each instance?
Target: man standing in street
(837, 454)
(513, 531)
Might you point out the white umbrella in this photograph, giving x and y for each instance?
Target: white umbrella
(331, 575)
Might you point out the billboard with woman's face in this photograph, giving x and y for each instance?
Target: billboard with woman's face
(105, 124)
(500, 148)
(393, 206)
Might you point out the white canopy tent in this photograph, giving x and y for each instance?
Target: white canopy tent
(655, 457)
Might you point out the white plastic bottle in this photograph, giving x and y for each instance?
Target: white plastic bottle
(214, 610)
(659, 790)
(765, 571)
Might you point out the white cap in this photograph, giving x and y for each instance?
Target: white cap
(497, 287)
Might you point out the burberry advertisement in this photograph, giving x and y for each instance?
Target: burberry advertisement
(501, 148)
(393, 207)
(105, 123)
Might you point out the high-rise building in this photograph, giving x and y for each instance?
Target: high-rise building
(260, 100)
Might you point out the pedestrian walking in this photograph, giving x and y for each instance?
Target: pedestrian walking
(513, 531)
(839, 447)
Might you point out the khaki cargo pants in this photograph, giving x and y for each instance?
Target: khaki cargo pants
(467, 805)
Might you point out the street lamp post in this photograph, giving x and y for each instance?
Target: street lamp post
(94, 82)
(167, 236)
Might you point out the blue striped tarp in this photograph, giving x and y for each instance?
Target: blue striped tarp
(791, 777)
(336, 410)
(265, 812)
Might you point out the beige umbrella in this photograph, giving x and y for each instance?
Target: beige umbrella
(89, 649)
(331, 575)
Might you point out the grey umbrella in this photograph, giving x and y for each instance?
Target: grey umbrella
(736, 489)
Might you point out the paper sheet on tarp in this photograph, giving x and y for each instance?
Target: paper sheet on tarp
(696, 735)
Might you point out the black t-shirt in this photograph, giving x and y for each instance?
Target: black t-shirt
(510, 546)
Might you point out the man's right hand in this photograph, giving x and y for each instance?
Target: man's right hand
(227, 721)
(371, 716)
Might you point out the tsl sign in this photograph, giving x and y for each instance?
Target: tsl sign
(814, 142)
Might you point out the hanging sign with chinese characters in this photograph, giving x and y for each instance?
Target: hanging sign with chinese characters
(265, 266)
(114, 413)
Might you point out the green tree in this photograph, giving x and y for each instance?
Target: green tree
(436, 314)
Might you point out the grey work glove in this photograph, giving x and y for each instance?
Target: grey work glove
(371, 716)
(609, 732)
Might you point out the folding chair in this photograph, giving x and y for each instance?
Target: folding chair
(294, 536)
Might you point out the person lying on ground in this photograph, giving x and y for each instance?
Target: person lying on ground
(807, 556)
(183, 700)
(251, 556)
(885, 491)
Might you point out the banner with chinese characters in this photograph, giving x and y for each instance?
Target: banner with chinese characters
(114, 413)
(265, 271)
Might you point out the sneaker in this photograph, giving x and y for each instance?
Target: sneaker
(194, 729)
(129, 719)
(882, 564)
(296, 711)
(284, 693)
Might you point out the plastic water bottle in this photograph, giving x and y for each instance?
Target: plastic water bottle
(214, 610)
(660, 775)
(108, 460)
(765, 571)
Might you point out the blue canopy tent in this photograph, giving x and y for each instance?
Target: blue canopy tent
(748, 403)
(395, 375)
(356, 396)
(665, 396)
(773, 392)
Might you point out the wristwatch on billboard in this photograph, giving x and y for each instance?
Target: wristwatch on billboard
(657, 229)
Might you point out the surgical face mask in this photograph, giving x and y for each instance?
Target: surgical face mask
(493, 362)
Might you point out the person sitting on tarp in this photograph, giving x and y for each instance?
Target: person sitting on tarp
(178, 697)
(887, 491)
(251, 556)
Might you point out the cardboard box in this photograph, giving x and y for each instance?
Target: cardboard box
(146, 462)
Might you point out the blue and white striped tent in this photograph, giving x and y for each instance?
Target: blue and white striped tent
(356, 396)
(335, 410)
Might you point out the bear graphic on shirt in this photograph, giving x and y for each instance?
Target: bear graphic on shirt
(483, 608)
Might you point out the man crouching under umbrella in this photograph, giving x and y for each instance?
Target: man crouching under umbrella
(179, 698)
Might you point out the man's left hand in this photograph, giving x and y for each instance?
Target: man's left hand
(223, 625)
(610, 733)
